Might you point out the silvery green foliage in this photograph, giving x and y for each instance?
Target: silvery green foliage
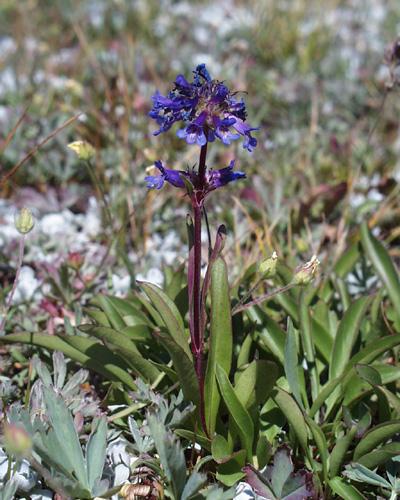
(279, 481)
(173, 461)
(23, 478)
(9, 489)
(360, 473)
(172, 412)
(56, 443)
(69, 390)
(117, 468)
(156, 435)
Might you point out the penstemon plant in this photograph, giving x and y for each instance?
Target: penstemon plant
(210, 112)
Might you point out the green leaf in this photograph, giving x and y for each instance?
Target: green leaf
(374, 350)
(115, 341)
(112, 313)
(380, 456)
(339, 452)
(195, 482)
(68, 445)
(326, 391)
(321, 337)
(96, 452)
(346, 336)
(376, 436)
(230, 472)
(291, 363)
(383, 265)
(369, 374)
(220, 448)
(270, 336)
(194, 437)
(256, 382)
(183, 364)
(358, 472)
(220, 350)
(102, 360)
(85, 351)
(293, 414)
(171, 455)
(322, 445)
(169, 313)
(345, 490)
(238, 412)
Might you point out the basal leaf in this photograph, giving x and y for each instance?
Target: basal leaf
(220, 348)
(346, 336)
(237, 411)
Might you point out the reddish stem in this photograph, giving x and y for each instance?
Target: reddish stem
(196, 333)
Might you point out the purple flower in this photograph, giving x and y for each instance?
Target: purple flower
(214, 178)
(174, 177)
(207, 108)
(219, 178)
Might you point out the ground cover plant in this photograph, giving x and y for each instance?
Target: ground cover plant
(199, 263)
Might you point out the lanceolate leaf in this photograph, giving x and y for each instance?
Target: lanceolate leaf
(271, 337)
(293, 414)
(237, 411)
(347, 335)
(322, 445)
(220, 351)
(169, 313)
(376, 436)
(85, 351)
(256, 382)
(96, 452)
(291, 363)
(64, 431)
(383, 265)
(183, 365)
(127, 350)
(345, 490)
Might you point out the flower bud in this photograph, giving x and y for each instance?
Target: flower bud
(16, 440)
(24, 221)
(75, 260)
(83, 149)
(306, 273)
(268, 266)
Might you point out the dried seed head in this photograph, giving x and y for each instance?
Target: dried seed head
(83, 149)
(24, 221)
(306, 273)
(268, 266)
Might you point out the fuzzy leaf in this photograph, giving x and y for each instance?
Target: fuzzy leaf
(96, 452)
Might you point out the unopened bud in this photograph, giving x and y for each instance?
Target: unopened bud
(75, 260)
(16, 440)
(306, 273)
(83, 149)
(268, 266)
(24, 221)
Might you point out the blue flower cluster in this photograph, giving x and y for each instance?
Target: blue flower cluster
(214, 178)
(208, 109)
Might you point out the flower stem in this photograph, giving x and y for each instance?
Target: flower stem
(21, 250)
(197, 334)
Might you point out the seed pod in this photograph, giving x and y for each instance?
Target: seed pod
(24, 221)
(83, 149)
(306, 273)
(268, 266)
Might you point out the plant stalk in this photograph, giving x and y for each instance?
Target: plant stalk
(8, 303)
(197, 333)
